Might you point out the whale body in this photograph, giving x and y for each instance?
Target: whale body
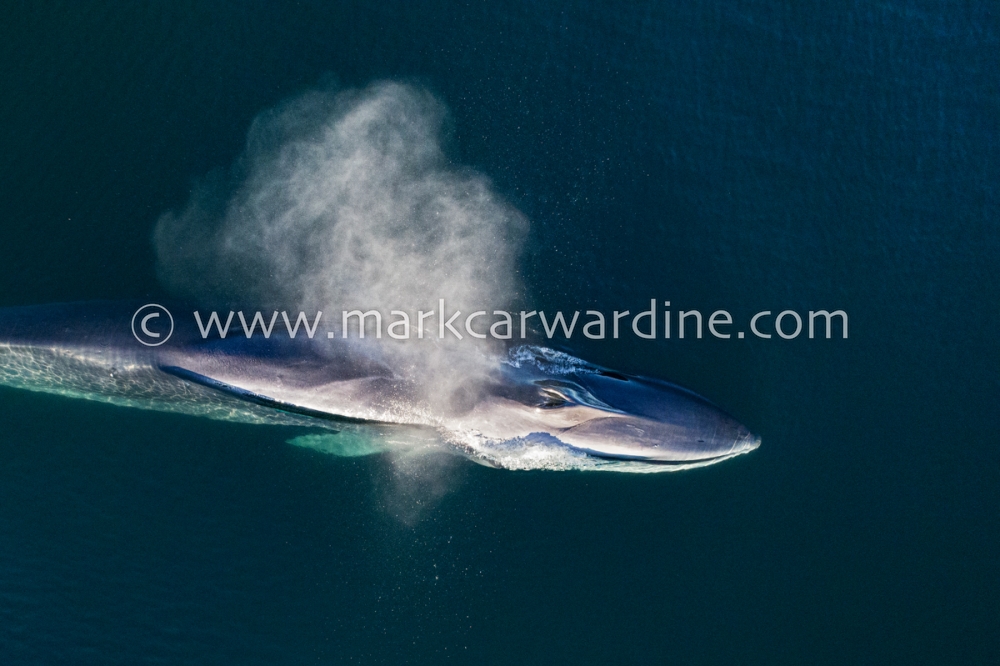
(531, 407)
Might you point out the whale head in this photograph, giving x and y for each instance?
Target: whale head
(551, 398)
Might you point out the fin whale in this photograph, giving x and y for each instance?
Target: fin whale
(530, 408)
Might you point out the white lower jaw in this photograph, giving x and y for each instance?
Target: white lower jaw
(656, 465)
(540, 452)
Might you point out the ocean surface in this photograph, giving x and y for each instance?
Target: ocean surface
(742, 155)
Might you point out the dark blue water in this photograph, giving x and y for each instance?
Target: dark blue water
(740, 155)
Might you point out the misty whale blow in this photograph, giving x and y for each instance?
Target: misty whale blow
(530, 408)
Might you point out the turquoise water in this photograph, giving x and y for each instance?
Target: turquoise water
(736, 155)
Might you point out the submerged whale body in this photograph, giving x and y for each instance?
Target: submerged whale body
(530, 408)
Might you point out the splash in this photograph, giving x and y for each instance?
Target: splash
(343, 200)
